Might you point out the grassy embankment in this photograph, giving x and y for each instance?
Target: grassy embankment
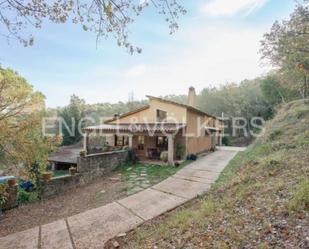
(261, 199)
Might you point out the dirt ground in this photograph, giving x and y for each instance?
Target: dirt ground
(80, 199)
(124, 181)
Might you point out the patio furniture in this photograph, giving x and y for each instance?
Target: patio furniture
(154, 153)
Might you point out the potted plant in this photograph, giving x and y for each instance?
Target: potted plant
(72, 170)
(47, 175)
(82, 153)
(12, 182)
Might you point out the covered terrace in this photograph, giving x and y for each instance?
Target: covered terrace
(147, 140)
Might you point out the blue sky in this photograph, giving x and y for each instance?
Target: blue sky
(218, 42)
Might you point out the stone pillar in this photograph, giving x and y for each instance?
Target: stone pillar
(53, 165)
(12, 197)
(86, 142)
(130, 141)
(170, 149)
(220, 138)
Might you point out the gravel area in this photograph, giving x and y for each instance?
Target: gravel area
(74, 201)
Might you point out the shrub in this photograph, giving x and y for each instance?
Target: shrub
(300, 197)
(48, 167)
(3, 195)
(23, 196)
(180, 150)
(131, 158)
(82, 153)
(164, 156)
(36, 176)
(226, 141)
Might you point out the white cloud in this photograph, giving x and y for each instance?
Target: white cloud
(231, 7)
(199, 55)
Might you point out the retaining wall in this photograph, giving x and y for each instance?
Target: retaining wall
(89, 168)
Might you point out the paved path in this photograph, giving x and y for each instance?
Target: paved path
(91, 229)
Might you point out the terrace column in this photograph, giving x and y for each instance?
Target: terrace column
(130, 141)
(170, 149)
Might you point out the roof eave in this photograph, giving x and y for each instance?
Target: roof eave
(127, 114)
(182, 105)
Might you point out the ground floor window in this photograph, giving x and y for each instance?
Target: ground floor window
(162, 142)
(121, 140)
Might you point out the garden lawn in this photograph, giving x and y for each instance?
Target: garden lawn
(57, 173)
(141, 176)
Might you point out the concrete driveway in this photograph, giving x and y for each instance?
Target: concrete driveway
(91, 229)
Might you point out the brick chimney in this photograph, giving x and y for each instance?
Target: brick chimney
(192, 97)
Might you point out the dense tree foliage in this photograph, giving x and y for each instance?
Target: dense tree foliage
(22, 144)
(93, 113)
(232, 100)
(287, 47)
(275, 92)
(106, 18)
(72, 120)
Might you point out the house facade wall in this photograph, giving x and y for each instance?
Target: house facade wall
(197, 139)
(175, 114)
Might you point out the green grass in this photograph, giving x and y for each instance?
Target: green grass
(154, 172)
(57, 173)
(140, 176)
(299, 196)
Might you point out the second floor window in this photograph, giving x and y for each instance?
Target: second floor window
(161, 116)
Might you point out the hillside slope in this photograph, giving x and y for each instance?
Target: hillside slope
(261, 199)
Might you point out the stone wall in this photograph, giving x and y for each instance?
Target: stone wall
(89, 168)
(58, 185)
(96, 165)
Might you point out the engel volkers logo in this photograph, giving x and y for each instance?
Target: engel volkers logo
(225, 127)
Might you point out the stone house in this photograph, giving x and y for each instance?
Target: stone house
(162, 125)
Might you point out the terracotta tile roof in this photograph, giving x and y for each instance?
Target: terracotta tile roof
(182, 105)
(137, 127)
(127, 114)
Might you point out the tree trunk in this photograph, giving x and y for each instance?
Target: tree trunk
(305, 87)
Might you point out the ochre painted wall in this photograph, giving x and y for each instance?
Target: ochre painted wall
(175, 114)
(198, 140)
